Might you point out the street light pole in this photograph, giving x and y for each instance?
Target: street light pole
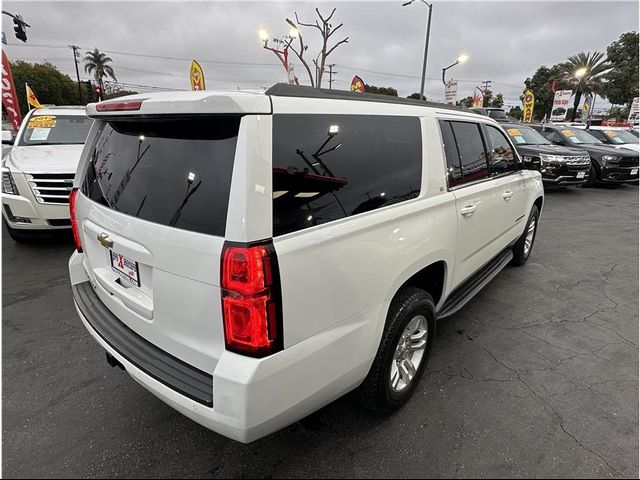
(426, 46)
(283, 55)
(460, 59)
(581, 72)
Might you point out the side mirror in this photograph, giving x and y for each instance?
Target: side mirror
(7, 137)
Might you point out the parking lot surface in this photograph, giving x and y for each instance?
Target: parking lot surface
(537, 377)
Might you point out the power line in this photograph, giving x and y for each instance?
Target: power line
(255, 64)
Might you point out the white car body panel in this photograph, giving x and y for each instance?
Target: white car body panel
(333, 319)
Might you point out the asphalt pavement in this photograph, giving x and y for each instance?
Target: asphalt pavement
(536, 377)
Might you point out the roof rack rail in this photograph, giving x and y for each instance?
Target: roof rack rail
(303, 91)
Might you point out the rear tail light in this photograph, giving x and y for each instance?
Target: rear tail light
(251, 303)
(74, 219)
(119, 106)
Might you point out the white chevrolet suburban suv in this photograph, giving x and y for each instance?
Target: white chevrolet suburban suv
(37, 173)
(249, 258)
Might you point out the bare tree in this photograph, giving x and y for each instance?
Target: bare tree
(326, 30)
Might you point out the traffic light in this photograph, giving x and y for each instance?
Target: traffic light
(18, 27)
(98, 91)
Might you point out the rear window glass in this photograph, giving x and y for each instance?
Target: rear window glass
(171, 172)
(327, 167)
(56, 130)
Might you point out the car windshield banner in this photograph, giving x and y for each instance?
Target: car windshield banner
(635, 109)
(560, 105)
(9, 97)
(196, 75)
(450, 91)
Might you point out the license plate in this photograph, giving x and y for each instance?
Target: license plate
(581, 174)
(126, 268)
(634, 171)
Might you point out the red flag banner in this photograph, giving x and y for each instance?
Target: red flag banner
(478, 99)
(9, 97)
(357, 85)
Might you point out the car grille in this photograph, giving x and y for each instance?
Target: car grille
(577, 160)
(52, 188)
(628, 162)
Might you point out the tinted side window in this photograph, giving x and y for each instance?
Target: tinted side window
(327, 167)
(471, 149)
(600, 136)
(454, 169)
(503, 158)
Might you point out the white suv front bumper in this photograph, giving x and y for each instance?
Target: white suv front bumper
(24, 212)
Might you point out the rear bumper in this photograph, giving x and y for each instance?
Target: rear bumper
(253, 397)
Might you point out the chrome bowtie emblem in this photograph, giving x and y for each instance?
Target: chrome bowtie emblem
(103, 238)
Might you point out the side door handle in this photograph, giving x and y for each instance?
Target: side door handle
(468, 210)
(507, 195)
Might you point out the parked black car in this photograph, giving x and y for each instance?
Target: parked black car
(608, 164)
(559, 166)
(498, 114)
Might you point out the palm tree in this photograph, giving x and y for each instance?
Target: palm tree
(96, 64)
(585, 73)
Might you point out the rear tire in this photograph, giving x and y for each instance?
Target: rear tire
(402, 356)
(523, 247)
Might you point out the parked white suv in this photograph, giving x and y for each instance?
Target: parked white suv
(249, 258)
(37, 173)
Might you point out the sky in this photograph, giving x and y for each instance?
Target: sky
(152, 43)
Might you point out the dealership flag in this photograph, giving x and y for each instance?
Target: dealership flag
(357, 85)
(529, 102)
(9, 97)
(196, 75)
(478, 99)
(31, 97)
(633, 111)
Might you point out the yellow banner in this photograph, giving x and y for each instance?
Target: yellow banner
(196, 75)
(529, 102)
(31, 98)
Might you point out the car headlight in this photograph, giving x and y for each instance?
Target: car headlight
(553, 158)
(530, 159)
(610, 158)
(8, 185)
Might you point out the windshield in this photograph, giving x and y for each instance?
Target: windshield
(577, 136)
(617, 137)
(526, 136)
(56, 130)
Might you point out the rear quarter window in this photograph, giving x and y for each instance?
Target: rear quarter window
(327, 167)
(173, 172)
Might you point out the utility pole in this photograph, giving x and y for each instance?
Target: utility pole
(75, 49)
(331, 72)
(486, 84)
